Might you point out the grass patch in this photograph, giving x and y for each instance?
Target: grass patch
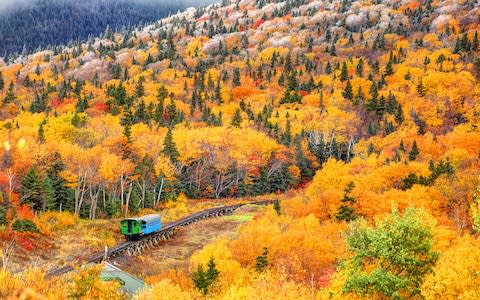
(239, 218)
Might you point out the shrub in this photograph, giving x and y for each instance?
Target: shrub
(3, 216)
(57, 221)
(24, 226)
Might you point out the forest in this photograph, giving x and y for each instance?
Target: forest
(29, 25)
(360, 117)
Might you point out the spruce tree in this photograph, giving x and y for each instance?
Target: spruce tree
(420, 88)
(344, 72)
(200, 280)
(389, 68)
(2, 81)
(169, 147)
(212, 272)
(31, 191)
(236, 77)
(414, 152)
(346, 212)
(276, 206)
(348, 91)
(262, 261)
(10, 97)
(237, 118)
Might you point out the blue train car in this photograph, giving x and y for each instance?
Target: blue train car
(132, 228)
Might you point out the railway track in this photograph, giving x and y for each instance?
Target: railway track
(152, 240)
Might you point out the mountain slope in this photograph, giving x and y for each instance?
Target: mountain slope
(30, 24)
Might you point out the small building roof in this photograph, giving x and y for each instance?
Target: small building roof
(129, 283)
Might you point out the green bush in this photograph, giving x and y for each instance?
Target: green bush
(24, 226)
(3, 216)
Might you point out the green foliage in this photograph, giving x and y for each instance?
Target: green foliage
(348, 91)
(23, 225)
(262, 261)
(169, 147)
(236, 77)
(237, 118)
(10, 96)
(31, 191)
(201, 279)
(3, 216)
(391, 259)
(276, 206)
(414, 152)
(346, 212)
(435, 172)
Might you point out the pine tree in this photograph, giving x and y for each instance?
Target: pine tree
(359, 68)
(203, 280)
(139, 88)
(420, 88)
(414, 152)
(237, 118)
(276, 206)
(348, 91)
(346, 212)
(127, 132)
(172, 112)
(212, 272)
(236, 77)
(169, 147)
(389, 68)
(199, 279)
(10, 97)
(344, 72)
(49, 194)
(31, 191)
(402, 146)
(287, 135)
(262, 261)
(41, 132)
(2, 81)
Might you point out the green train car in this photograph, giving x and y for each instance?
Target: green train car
(132, 228)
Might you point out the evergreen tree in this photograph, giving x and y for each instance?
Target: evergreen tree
(344, 72)
(287, 136)
(212, 272)
(420, 88)
(199, 279)
(348, 91)
(169, 147)
(203, 280)
(236, 77)
(140, 113)
(2, 81)
(10, 97)
(237, 118)
(127, 132)
(49, 194)
(31, 191)
(414, 152)
(346, 212)
(139, 88)
(359, 68)
(262, 261)
(276, 206)
(389, 68)
(41, 132)
(172, 113)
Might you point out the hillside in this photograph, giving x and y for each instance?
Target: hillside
(27, 25)
(348, 112)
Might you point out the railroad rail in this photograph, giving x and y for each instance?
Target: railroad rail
(136, 247)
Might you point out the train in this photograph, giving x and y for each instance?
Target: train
(133, 228)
